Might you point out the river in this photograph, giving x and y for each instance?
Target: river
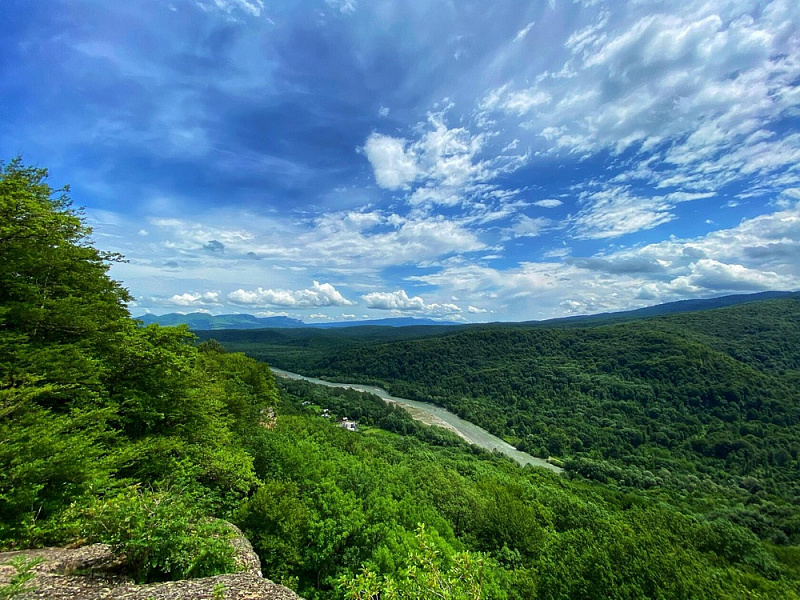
(431, 414)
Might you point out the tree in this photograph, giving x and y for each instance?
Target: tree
(57, 304)
(429, 574)
(89, 400)
(58, 308)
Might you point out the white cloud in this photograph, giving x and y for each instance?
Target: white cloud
(518, 102)
(524, 32)
(398, 300)
(710, 274)
(318, 295)
(525, 226)
(394, 165)
(191, 235)
(272, 313)
(548, 203)
(558, 253)
(616, 211)
(343, 6)
(251, 7)
(761, 253)
(705, 84)
(476, 311)
(198, 299)
(444, 163)
(349, 240)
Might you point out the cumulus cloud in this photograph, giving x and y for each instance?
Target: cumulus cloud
(318, 295)
(195, 299)
(400, 302)
(394, 165)
(443, 164)
(710, 274)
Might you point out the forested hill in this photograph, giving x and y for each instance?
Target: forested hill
(204, 321)
(669, 402)
(667, 308)
(679, 380)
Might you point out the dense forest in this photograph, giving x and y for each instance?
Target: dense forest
(137, 436)
(699, 409)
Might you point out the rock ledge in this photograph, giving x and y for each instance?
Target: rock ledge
(92, 573)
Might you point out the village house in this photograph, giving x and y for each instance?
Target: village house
(346, 423)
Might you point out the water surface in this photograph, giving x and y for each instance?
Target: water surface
(431, 414)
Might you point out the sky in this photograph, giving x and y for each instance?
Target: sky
(458, 160)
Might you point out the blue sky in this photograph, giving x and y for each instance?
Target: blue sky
(472, 161)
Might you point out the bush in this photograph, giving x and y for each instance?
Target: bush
(429, 574)
(160, 535)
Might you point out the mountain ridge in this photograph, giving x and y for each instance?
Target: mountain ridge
(206, 322)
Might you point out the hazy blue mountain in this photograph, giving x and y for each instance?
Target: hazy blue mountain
(391, 322)
(202, 321)
(206, 321)
(668, 308)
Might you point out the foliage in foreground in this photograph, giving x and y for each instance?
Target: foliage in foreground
(161, 534)
(427, 574)
(19, 582)
(92, 405)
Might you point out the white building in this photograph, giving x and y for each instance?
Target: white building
(346, 423)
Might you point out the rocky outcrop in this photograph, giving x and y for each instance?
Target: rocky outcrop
(92, 573)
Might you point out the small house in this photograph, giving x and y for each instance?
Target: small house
(346, 423)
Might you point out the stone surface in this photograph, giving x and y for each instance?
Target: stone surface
(92, 573)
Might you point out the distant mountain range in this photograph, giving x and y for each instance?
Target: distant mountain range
(668, 308)
(204, 322)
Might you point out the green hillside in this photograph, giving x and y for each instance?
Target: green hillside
(672, 404)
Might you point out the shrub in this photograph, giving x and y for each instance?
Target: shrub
(160, 535)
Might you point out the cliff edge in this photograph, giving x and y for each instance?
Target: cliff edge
(92, 573)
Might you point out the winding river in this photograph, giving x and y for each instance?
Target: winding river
(431, 414)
